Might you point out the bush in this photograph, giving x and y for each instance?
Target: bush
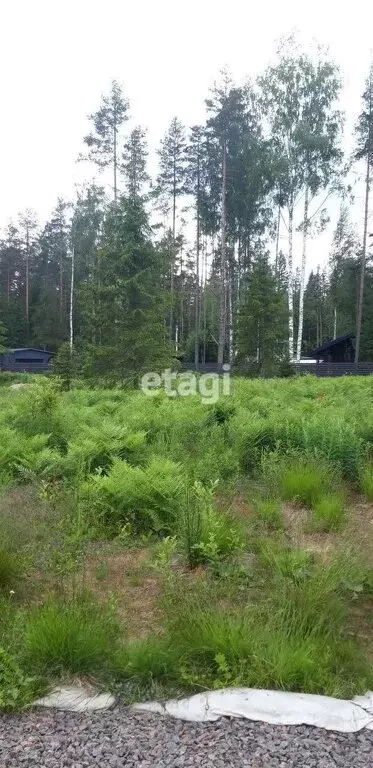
(76, 637)
(302, 484)
(16, 689)
(328, 513)
(269, 513)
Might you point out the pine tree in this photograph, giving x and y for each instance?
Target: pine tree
(28, 226)
(171, 186)
(103, 142)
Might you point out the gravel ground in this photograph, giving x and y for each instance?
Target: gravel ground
(116, 738)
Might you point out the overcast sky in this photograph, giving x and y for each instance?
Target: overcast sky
(56, 59)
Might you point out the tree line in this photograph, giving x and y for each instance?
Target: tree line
(197, 263)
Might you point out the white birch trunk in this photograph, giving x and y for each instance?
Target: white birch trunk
(363, 263)
(302, 276)
(290, 283)
(72, 299)
(222, 292)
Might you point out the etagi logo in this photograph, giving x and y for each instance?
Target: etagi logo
(208, 385)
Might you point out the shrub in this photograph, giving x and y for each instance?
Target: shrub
(302, 484)
(269, 513)
(366, 481)
(328, 513)
(16, 689)
(77, 637)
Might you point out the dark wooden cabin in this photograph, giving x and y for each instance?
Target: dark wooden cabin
(26, 360)
(339, 350)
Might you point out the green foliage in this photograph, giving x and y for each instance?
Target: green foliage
(3, 335)
(77, 637)
(206, 535)
(16, 689)
(146, 498)
(65, 365)
(328, 513)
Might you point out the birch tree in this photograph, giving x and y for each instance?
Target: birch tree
(364, 130)
(318, 136)
(299, 96)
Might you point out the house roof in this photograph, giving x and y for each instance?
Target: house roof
(32, 349)
(332, 343)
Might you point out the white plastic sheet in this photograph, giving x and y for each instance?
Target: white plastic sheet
(74, 698)
(274, 707)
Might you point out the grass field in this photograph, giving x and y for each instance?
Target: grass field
(160, 545)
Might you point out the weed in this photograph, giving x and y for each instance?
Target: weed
(17, 690)
(206, 534)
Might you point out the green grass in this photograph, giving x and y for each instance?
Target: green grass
(77, 637)
(328, 514)
(104, 464)
(269, 513)
(10, 570)
(295, 638)
(367, 481)
(302, 484)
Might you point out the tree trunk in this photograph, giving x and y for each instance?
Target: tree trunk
(363, 258)
(115, 162)
(277, 238)
(290, 282)
(72, 299)
(172, 281)
(61, 290)
(197, 296)
(27, 275)
(335, 324)
(302, 275)
(222, 286)
(181, 338)
(231, 332)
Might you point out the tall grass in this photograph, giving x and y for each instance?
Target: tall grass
(77, 637)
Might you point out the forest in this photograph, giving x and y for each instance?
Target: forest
(195, 261)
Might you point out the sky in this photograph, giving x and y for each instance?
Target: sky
(56, 59)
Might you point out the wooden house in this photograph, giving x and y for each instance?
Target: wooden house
(26, 360)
